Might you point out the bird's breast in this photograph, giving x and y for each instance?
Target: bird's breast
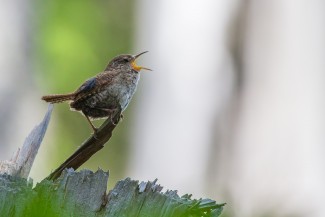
(120, 91)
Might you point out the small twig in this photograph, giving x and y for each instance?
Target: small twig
(89, 147)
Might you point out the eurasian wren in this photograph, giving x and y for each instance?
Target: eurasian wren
(111, 90)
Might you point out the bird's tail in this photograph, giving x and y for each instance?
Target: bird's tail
(57, 98)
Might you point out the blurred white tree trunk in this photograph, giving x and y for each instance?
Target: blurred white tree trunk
(17, 106)
(263, 130)
(277, 161)
(191, 82)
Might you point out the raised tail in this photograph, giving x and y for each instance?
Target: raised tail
(57, 98)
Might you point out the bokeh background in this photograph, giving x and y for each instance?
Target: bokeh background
(234, 109)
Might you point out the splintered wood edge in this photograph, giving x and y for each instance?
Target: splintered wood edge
(129, 197)
(84, 193)
(22, 162)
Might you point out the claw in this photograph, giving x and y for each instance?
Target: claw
(95, 134)
(111, 117)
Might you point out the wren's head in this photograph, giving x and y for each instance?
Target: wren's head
(126, 62)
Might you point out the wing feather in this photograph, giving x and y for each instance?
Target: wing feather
(94, 85)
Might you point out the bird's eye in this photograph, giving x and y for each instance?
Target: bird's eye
(125, 60)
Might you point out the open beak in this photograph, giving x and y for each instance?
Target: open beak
(135, 66)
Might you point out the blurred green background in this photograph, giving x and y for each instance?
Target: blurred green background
(74, 40)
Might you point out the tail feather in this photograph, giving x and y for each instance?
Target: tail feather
(57, 98)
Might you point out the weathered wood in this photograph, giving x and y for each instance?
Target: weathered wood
(22, 162)
(92, 145)
(69, 193)
(84, 194)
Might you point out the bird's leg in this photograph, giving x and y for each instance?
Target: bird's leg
(111, 113)
(91, 124)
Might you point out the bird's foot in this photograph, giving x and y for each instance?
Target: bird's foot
(92, 127)
(111, 117)
(112, 114)
(95, 133)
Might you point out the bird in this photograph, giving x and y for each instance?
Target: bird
(106, 93)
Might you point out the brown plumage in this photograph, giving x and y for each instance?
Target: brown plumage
(56, 98)
(102, 95)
